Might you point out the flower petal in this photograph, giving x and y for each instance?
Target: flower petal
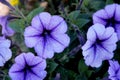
(16, 68)
(30, 31)
(101, 14)
(117, 30)
(108, 33)
(16, 76)
(20, 60)
(43, 48)
(100, 17)
(2, 61)
(111, 40)
(45, 18)
(91, 35)
(55, 22)
(117, 13)
(5, 53)
(110, 10)
(40, 76)
(87, 45)
(62, 39)
(6, 30)
(98, 30)
(60, 29)
(89, 55)
(57, 47)
(31, 41)
(29, 58)
(5, 43)
(39, 65)
(36, 23)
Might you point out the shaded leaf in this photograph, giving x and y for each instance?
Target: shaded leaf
(109, 2)
(33, 13)
(81, 22)
(51, 66)
(82, 67)
(73, 15)
(17, 25)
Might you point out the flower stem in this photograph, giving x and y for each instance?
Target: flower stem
(79, 5)
(74, 50)
(19, 12)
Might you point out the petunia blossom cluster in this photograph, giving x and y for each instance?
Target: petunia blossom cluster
(5, 52)
(102, 36)
(47, 34)
(109, 17)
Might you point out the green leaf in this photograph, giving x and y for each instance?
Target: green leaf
(66, 74)
(73, 15)
(51, 66)
(75, 18)
(82, 68)
(17, 25)
(34, 13)
(81, 77)
(97, 4)
(18, 39)
(7, 77)
(109, 2)
(81, 22)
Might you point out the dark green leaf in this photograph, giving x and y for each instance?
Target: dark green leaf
(66, 74)
(82, 67)
(7, 78)
(52, 66)
(109, 2)
(33, 13)
(73, 15)
(81, 22)
(98, 4)
(17, 25)
(81, 77)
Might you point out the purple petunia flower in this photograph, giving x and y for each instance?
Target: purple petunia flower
(28, 67)
(5, 52)
(6, 30)
(101, 42)
(114, 70)
(47, 35)
(110, 17)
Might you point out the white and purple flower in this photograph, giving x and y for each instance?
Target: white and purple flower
(109, 17)
(5, 52)
(101, 42)
(114, 70)
(28, 67)
(47, 34)
(6, 30)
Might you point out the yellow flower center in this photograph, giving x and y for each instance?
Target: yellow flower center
(13, 2)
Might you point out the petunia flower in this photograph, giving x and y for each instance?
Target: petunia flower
(114, 70)
(5, 52)
(47, 34)
(109, 17)
(101, 42)
(6, 30)
(28, 67)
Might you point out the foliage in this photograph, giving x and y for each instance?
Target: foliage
(69, 67)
